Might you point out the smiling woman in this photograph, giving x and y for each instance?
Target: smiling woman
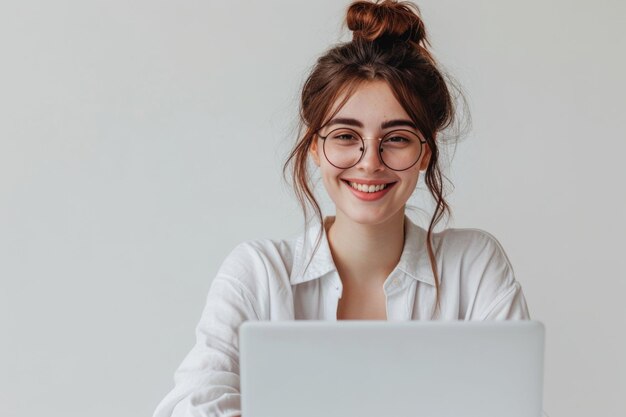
(372, 111)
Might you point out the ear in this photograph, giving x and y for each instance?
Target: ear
(426, 153)
(313, 151)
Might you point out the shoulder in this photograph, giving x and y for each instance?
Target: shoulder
(475, 261)
(466, 237)
(466, 244)
(478, 270)
(254, 262)
(253, 280)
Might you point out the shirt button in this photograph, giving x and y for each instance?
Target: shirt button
(395, 281)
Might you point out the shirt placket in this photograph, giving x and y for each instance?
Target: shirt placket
(395, 288)
(332, 290)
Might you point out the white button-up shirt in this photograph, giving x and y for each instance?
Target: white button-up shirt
(270, 280)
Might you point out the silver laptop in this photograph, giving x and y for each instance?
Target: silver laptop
(380, 369)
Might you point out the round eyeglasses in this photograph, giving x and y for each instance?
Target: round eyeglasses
(398, 150)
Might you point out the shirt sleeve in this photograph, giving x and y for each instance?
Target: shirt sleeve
(497, 294)
(206, 384)
(510, 306)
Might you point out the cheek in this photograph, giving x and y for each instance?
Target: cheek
(410, 179)
(330, 177)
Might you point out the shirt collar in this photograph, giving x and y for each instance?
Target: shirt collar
(321, 261)
(414, 260)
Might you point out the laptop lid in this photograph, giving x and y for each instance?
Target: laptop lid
(378, 368)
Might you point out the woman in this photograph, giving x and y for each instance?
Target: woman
(371, 110)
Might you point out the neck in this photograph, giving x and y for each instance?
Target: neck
(366, 254)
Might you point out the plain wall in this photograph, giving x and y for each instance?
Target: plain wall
(141, 141)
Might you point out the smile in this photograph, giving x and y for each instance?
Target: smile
(367, 188)
(369, 192)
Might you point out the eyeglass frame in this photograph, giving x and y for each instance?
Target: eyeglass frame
(363, 150)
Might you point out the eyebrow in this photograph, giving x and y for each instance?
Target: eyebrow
(384, 125)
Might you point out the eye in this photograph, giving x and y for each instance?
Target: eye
(344, 137)
(397, 139)
(400, 139)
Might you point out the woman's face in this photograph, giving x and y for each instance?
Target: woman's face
(367, 111)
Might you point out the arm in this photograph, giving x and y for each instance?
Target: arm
(509, 306)
(497, 294)
(207, 381)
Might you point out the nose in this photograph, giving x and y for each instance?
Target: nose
(370, 161)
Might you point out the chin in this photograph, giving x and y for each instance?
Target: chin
(370, 216)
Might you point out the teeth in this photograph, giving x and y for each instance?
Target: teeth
(368, 188)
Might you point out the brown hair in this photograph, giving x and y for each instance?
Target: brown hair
(389, 43)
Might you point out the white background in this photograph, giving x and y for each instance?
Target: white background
(140, 141)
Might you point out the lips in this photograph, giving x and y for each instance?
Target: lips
(368, 190)
(369, 181)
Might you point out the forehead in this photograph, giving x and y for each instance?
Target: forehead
(372, 102)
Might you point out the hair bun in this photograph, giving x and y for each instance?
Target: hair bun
(388, 20)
